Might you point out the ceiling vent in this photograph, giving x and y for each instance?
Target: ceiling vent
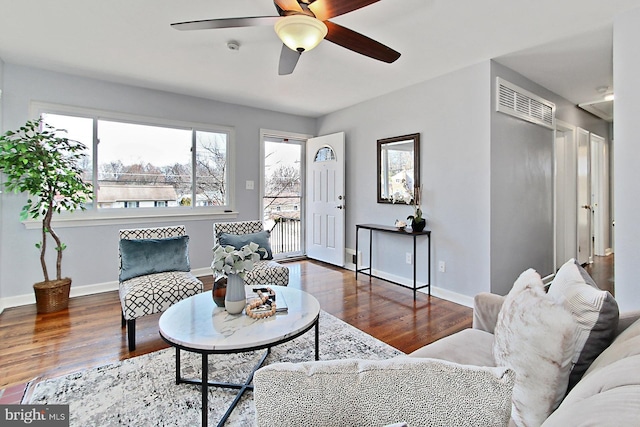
(518, 102)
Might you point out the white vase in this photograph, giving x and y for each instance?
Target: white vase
(235, 297)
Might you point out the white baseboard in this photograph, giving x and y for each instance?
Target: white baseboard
(455, 297)
(78, 291)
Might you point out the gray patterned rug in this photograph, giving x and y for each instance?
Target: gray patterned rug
(142, 392)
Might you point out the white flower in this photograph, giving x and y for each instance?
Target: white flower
(229, 260)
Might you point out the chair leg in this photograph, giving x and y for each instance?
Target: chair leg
(131, 333)
(124, 321)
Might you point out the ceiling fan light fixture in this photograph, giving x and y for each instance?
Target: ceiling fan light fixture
(300, 32)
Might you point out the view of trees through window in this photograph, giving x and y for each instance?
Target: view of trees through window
(140, 165)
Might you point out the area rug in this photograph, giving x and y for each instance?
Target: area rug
(142, 392)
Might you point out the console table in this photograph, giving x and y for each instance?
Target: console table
(398, 232)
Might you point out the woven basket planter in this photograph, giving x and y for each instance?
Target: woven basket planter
(52, 295)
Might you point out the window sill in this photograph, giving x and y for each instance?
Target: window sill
(90, 219)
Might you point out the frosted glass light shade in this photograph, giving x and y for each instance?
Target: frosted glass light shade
(300, 32)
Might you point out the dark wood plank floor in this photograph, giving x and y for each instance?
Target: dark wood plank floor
(88, 333)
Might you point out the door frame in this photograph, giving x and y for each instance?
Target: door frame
(565, 224)
(600, 195)
(264, 133)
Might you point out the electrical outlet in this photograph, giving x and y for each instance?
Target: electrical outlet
(407, 257)
(442, 267)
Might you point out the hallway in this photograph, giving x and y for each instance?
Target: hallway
(601, 270)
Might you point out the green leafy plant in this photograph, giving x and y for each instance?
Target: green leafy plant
(37, 161)
(229, 260)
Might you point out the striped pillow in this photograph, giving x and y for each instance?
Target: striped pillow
(595, 311)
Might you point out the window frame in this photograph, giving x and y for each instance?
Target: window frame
(96, 216)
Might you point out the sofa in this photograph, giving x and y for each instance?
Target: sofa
(563, 353)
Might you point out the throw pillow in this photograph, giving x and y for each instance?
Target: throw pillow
(535, 337)
(140, 257)
(239, 240)
(420, 392)
(595, 311)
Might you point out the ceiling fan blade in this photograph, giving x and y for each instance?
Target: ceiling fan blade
(327, 9)
(210, 24)
(288, 60)
(358, 43)
(287, 5)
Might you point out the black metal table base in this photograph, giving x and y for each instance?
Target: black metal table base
(205, 390)
(240, 387)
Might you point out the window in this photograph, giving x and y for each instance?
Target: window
(139, 165)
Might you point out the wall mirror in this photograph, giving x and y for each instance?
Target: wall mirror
(398, 167)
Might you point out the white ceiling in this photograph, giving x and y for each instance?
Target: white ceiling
(564, 45)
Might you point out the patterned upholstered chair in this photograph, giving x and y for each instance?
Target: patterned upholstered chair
(154, 273)
(265, 272)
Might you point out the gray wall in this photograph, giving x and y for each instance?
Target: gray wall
(626, 69)
(522, 165)
(91, 257)
(452, 116)
(521, 192)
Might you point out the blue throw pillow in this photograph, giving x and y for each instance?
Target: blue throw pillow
(147, 256)
(261, 238)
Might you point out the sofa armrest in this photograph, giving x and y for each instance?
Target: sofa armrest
(626, 319)
(486, 307)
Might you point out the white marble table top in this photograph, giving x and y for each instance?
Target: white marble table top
(197, 323)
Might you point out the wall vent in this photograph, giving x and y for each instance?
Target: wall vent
(518, 102)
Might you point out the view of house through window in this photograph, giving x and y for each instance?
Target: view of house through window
(150, 166)
(283, 195)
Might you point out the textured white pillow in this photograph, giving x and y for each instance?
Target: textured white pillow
(535, 336)
(595, 311)
(420, 392)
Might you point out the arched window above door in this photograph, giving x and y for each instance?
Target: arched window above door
(324, 154)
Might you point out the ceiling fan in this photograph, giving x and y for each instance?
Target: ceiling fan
(301, 25)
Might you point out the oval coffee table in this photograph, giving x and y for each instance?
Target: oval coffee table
(197, 325)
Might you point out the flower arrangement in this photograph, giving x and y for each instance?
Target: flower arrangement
(229, 260)
(409, 199)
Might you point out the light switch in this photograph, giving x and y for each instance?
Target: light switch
(249, 185)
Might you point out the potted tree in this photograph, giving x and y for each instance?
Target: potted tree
(37, 161)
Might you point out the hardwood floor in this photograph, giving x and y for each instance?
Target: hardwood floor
(89, 334)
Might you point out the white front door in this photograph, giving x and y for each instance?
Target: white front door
(325, 207)
(584, 199)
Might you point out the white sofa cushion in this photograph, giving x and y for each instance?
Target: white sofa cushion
(535, 336)
(609, 396)
(595, 311)
(456, 348)
(420, 392)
